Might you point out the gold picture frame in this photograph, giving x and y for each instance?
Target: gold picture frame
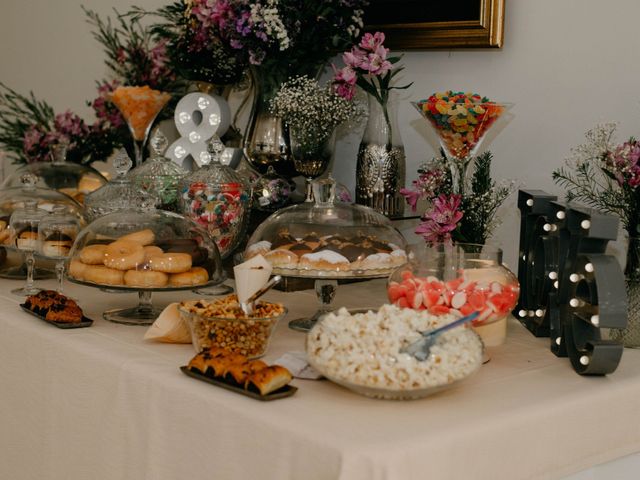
(427, 24)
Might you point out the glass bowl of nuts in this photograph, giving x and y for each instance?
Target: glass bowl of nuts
(222, 323)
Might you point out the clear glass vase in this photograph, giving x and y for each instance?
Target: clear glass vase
(312, 151)
(381, 166)
(266, 141)
(630, 336)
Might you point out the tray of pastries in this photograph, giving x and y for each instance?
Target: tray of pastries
(235, 372)
(56, 309)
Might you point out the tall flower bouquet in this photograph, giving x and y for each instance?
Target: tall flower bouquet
(368, 66)
(469, 217)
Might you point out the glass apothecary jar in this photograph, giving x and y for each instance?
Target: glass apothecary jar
(217, 199)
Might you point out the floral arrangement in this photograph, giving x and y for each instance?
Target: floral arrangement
(314, 111)
(605, 175)
(368, 66)
(29, 127)
(468, 217)
(217, 40)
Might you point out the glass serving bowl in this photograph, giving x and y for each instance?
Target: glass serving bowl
(248, 336)
(361, 351)
(327, 240)
(458, 279)
(69, 178)
(144, 250)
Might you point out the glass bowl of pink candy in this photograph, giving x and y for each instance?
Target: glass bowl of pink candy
(458, 279)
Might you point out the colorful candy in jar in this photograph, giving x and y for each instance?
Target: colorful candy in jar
(462, 296)
(460, 119)
(219, 210)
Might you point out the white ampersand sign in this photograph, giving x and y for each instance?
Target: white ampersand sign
(198, 117)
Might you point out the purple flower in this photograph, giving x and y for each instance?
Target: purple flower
(438, 223)
(622, 163)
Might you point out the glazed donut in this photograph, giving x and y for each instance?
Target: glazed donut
(151, 251)
(170, 262)
(93, 254)
(145, 278)
(195, 276)
(77, 268)
(103, 275)
(143, 237)
(123, 255)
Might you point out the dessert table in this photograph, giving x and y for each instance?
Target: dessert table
(102, 403)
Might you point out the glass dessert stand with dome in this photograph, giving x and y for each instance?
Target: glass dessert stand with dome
(145, 251)
(327, 241)
(66, 177)
(17, 197)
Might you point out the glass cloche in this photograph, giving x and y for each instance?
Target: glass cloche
(14, 198)
(144, 250)
(159, 176)
(218, 199)
(121, 193)
(328, 239)
(69, 178)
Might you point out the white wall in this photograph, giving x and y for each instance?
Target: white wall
(566, 64)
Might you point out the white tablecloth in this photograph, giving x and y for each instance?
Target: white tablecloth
(101, 403)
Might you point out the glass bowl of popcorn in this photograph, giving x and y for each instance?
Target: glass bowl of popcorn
(361, 351)
(222, 323)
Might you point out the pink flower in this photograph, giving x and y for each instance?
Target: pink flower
(372, 42)
(344, 82)
(411, 196)
(375, 64)
(354, 58)
(438, 223)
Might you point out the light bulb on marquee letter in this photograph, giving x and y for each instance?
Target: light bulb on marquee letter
(198, 117)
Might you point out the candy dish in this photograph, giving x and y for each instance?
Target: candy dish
(371, 364)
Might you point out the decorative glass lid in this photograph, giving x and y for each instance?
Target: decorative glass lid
(326, 238)
(145, 248)
(69, 178)
(119, 194)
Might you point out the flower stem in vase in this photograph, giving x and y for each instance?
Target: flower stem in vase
(139, 106)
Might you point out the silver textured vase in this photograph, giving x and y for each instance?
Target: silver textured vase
(381, 167)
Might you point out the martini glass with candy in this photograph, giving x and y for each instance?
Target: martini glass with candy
(139, 106)
(461, 122)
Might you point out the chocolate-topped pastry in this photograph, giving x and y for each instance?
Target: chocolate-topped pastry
(284, 241)
(57, 244)
(336, 240)
(301, 248)
(381, 247)
(355, 253)
(312, 239)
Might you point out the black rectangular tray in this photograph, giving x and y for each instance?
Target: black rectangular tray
(283, 392)
(86, 322)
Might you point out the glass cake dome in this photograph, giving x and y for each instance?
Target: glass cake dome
(144, 250)
(17, 197)
(328, 239)
(69, 178)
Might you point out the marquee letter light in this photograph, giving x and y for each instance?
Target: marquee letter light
(569, 287)
(198, 116)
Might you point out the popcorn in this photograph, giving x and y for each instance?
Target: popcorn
(364, 349)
